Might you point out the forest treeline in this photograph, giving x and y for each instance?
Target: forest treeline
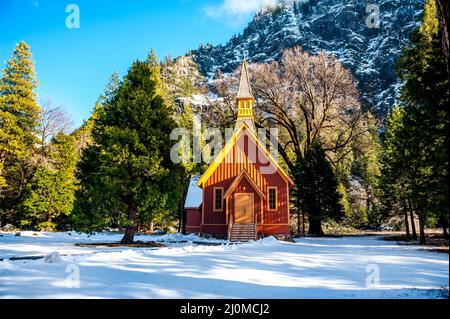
(115, 171)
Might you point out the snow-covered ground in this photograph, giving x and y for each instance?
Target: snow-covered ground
(349, 267)
(43, 243)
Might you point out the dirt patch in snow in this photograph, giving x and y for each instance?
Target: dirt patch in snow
(136, 244)
(435, 242)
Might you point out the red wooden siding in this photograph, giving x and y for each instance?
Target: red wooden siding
(235, 161)
(279, 216)
(215, 229)
(193, 220)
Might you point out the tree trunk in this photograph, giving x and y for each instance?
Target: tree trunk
(422, 239)
(183, 226)
(315, 228)
(444, 227)
(128, 237)
(405, 210)
(413, 224)
(181, 221)
(303, 224)
(443, 15)
(151, 226)
(299, 214)
(442, 8)
(445, 232)
(315, 224)
(185, 188)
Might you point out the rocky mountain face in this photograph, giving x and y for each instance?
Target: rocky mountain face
(184, 82)
(346, 28)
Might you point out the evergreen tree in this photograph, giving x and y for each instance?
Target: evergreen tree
(393, 181)
(126, 176)
(89, 213)
(415, 152)
(425, 97)
(82, 134)
(111, 88)
(316, 182)
(19, 113)
(365, 168)
(49, 196)
(295, 7)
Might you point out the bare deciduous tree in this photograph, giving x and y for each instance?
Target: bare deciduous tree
(52, 121)
(310, 98)
(307, 97)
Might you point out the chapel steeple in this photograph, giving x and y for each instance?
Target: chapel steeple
(245, 99)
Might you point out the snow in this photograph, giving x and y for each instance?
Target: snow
(309, 268)
(44, 243)
(52, 257)
(194, 194)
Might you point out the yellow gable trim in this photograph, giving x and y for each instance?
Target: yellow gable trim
(243, 174)
(229, 146)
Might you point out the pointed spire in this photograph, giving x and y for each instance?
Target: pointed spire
(245, 91)
(245, 100)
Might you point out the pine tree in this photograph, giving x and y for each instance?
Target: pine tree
(48, 199)
(393, 181)
(295, 7)
(89, 213)
(19, 113)
(126, 176)
(416, 148)
(415, 151)
(111, 88)
(365, 166)
(318, 186)
(82, 134)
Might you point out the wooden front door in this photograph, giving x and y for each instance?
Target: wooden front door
(243, 208)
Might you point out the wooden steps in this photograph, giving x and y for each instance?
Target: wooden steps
(242, 232)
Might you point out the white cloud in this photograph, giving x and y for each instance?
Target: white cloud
(235, 11)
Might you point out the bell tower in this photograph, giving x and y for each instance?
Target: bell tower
(245, 100)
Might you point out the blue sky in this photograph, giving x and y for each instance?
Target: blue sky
(73, 65)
